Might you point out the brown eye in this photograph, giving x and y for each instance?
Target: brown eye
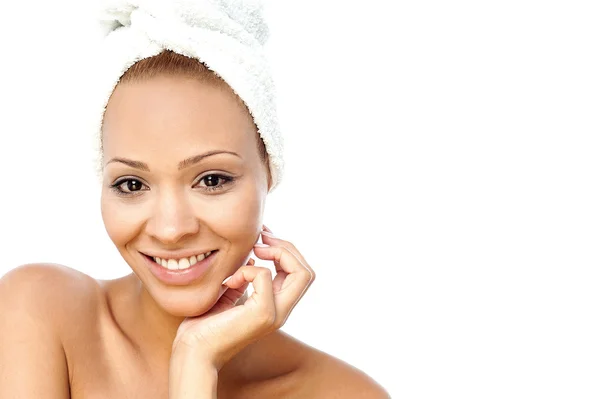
(214, 182)
(133, 185)
(128, 186)
(211, 180)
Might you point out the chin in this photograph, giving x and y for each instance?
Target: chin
(189, 301)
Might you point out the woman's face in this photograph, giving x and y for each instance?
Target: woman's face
(182, 177)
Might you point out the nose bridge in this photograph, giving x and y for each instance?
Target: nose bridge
(173, 216)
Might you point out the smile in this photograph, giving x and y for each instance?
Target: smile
(180, 264)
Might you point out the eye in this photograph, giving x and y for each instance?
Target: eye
(214, 182)
(211, 180)
(128, 186)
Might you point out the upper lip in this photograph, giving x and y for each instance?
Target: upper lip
(176, 255)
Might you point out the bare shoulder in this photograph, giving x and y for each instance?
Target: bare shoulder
(53, 294)
(282, 366)
(49, 282)
(324, 376)
(330, 377)
(35, 302)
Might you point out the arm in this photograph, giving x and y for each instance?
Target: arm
(32, 359)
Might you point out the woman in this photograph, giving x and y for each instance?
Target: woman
(188, 157)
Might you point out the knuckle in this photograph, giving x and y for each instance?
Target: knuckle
(264, 272)
(309, 274)
(244, 269)
(313, 275)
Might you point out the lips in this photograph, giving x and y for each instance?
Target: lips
(180, 276)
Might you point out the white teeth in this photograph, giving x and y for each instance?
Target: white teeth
(183, 263)
(172, 264)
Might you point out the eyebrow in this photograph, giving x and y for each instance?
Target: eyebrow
(182, 165)
(197, 158)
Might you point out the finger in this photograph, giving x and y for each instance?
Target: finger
(273, 241)
(270, 239)
(288, 262)
(259, 277)
(231, 296)
(296, 283)
(240, 290)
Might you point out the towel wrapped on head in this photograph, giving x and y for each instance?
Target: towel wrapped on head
(227, 36)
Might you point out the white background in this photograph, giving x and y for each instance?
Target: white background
(442, 179)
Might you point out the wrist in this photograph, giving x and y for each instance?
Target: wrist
(191, 376)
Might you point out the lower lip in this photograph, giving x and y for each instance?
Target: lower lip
(180, 277)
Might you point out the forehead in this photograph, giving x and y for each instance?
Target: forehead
(176, 115)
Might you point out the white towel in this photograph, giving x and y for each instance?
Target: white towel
(228, 36)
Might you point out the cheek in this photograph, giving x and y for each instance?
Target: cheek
(121, 222)
(237, 216)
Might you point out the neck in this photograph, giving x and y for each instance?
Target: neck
(153, 329)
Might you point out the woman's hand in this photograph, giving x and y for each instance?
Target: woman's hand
(215, 337)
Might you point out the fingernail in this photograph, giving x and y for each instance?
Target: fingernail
(226, 280)
(265, 228)
(259, 245)
(268, 234)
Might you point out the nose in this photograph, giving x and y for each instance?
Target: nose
(173, 219)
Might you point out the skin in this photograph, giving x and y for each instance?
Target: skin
(174, 212)
(65, 334)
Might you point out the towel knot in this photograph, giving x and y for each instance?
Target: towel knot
(242, 20)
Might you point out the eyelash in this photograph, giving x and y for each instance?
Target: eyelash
(116, 186)
(226, 180)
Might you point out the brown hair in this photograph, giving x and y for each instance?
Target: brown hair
(173, 64)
